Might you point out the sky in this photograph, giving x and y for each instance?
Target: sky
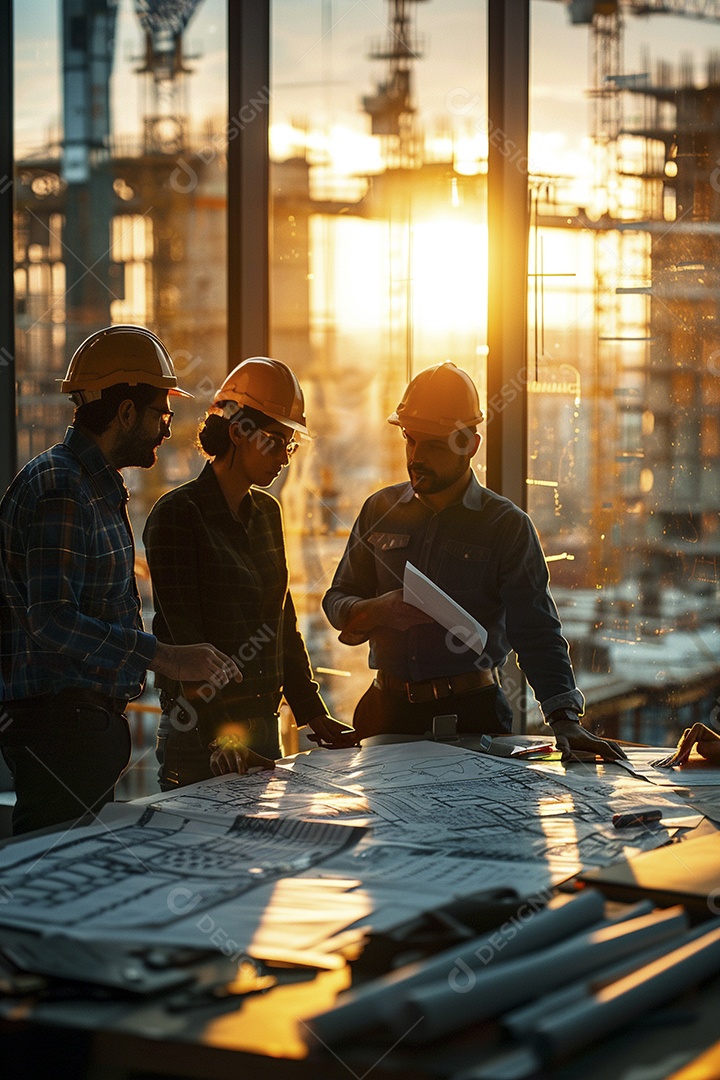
(321, 69)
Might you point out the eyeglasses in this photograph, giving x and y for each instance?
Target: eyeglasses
(164, 414)
(272, 443)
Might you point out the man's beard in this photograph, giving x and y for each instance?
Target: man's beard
(135, 450)
(427, 481)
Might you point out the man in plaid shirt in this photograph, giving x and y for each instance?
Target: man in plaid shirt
(73, 647)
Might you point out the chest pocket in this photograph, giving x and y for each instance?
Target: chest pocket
(467, 553)
(383, 541)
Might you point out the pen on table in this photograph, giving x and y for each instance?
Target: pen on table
(636, 817)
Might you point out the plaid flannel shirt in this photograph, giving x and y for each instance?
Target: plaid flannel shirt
(70, 614)
(223, 578)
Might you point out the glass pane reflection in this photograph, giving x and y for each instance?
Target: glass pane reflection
(379, 254)
(120, 207)
(622, 472)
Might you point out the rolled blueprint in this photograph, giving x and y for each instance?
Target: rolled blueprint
(435, 1009)
(624, 1000)
(520, 1021)
(516, 1021)
(369, 1005)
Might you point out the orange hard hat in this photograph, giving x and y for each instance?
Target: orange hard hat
(119, 354)
(438, 401)
(266, 385)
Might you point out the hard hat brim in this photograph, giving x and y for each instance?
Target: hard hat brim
(219, 408)
(293, 424)
(431, 427)
(68, 387)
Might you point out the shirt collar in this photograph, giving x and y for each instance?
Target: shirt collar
(214, 502)
(106, 479)
(472, 499)
(474, 493)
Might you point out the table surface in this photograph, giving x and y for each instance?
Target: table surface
(121, 1038)
(259, 1037)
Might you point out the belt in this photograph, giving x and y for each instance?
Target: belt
(433, 689)
(67, 698)
(171, 707)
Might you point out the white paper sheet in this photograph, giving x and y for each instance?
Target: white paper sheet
(433, 872)
(280, 792)
(147, 870)
(423, 593)
(395, 765)
(697, 773)
(218, 864)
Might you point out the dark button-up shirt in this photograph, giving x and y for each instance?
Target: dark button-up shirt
(69, 606)
(223, 578)
(485, 553)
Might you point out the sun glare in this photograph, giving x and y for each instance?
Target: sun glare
(438, 268)
(449, 273)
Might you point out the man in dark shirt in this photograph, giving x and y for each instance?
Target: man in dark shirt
(479, 548)
(73, 647)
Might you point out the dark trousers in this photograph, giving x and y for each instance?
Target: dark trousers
(484, 711)
(65, 752)
(184, 755)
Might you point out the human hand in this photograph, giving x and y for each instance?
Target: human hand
(699, 737)
(331, 733)
(572, 738)
(388, 610)
(349, 637)
(229, 755)
(195, 663)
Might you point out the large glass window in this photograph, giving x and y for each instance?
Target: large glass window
(120, 202)
(623, 417)
(378, 268)
(378, 254)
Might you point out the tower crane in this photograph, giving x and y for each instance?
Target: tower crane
(163, 23)
(583, 11)
(392, 107)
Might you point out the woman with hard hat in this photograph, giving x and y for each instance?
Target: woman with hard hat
(216, 554)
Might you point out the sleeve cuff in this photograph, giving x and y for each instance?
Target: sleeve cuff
(572, 700)
(562, 714)
(145, 648)
(308, 709)
(340, 611)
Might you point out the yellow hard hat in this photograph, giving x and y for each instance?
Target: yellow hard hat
(119, 354)
(266, 385)
(438, 401)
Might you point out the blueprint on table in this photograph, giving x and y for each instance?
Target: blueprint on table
(282, 859)
(450, 797)
(143, 869)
